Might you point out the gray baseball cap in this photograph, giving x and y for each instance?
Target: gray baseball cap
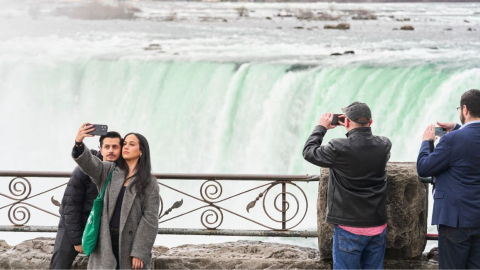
(358, 112)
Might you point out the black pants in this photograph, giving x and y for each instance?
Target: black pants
(458, 248)
(63, 252)
(115, 244)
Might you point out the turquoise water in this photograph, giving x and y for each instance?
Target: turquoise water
(233, 117)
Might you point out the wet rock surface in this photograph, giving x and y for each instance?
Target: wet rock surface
(407, 218)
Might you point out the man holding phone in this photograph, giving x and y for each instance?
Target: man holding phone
(77, 203)
(455, 163)
(357, 186)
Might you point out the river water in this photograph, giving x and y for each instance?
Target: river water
(222, 93)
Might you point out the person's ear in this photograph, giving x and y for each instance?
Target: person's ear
(370, 123)
(465, 110)
(347, 122)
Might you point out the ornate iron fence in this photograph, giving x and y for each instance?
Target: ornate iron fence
(211, 191)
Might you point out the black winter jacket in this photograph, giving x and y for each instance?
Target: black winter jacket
(357, 185)
(77, 203)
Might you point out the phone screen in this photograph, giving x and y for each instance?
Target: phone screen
(440, 131)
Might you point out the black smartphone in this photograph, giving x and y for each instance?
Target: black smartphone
(335, 119)
(100, 130)
(440, 131)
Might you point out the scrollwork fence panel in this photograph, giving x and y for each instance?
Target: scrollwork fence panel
(289, 212)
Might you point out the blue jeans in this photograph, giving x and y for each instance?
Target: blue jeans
(352, 251)
(458, 248)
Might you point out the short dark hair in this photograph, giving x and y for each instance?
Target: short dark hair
(110, 134)
(471, 99)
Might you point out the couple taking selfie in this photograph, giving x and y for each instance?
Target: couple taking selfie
(129, 222)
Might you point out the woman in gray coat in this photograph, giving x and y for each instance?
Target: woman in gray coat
(129, 222)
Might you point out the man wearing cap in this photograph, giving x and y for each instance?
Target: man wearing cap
(357, 187)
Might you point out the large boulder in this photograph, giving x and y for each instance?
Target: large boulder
(241, 255)
(33, 254)
(4, 246)
(30, 254)
(407, 206)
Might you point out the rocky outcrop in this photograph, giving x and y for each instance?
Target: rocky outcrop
(341, 26)
(30, 254)
(406, 211)
(96, 10)
(241, 255)
(36, 254)
(4, 246)
(407, 28)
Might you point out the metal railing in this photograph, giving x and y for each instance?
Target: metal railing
(211, 191)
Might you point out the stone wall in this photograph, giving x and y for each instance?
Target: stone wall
(406, 209)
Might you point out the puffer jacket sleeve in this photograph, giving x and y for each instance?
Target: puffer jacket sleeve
(72, 204)
(148, 226)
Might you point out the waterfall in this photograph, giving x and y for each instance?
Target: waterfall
(205, 117)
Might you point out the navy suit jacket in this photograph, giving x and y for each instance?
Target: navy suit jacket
(455, 163)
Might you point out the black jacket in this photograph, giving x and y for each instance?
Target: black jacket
(357, 185)
(77, 202)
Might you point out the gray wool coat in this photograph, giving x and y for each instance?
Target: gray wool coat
(138, 218)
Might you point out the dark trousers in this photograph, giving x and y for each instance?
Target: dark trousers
(458, 248)
(63, 251)
(115, 244)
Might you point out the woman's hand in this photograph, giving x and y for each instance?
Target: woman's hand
(78, 248)
(137, 263)
(83, 132)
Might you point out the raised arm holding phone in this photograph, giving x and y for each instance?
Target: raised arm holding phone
(455, 164)
(357, 186)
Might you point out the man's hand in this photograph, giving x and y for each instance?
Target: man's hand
(137, 263)
(326, 121)
(79, 248)
(82, 132)
(448, 126)
(429, 133)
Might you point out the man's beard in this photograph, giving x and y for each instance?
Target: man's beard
(462, 118)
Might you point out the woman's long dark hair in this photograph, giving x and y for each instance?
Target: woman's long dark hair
(143, 174)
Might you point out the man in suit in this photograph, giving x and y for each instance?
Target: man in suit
(455, 163)
(77, 203)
